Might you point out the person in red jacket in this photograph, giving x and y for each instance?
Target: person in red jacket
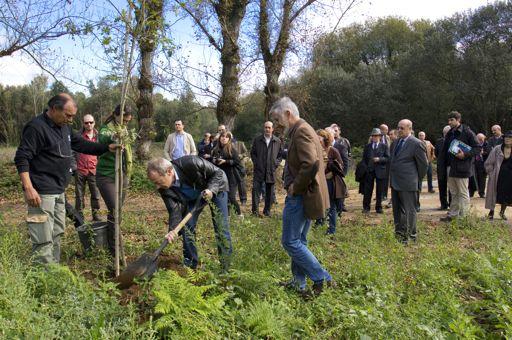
(86, 171)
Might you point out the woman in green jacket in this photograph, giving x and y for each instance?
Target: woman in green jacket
(105, 170)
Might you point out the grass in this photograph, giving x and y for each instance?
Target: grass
(454, 283)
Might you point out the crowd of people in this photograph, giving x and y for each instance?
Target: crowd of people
(214, 170)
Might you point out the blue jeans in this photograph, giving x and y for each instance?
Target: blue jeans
(294, 241)
(219, 209)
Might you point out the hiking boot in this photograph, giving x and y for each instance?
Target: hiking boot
(446, 219)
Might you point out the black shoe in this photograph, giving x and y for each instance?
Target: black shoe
(446, 219)
(318, 288)
(490, 216)
(366, 211)
(443, 207)
(379, 211)
(502, 215)
(431, 191)
(288, 284)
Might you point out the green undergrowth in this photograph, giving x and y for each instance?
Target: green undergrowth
(455, 282)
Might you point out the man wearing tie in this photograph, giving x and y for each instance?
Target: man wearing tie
(375, 156)
(408, 163)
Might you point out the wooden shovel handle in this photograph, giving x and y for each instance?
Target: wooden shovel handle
(180, 225)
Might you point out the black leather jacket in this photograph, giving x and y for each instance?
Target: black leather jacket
(200, 174)
(197, 173)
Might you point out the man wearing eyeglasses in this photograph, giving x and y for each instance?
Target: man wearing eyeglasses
(86, 172)
(43, 160)
(179, 143)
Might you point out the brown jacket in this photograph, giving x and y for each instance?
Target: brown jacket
(306, 165)
(430, 151)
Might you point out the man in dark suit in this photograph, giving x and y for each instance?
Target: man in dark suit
(408, 164)
(266, 155)
(375, 156)
(442, 176)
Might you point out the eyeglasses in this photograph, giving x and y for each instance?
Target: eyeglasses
(88, 122)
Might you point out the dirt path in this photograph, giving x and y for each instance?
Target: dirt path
(429, 207)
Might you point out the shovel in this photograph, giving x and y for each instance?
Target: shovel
(146, 265)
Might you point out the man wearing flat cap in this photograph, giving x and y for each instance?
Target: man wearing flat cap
(375, 157)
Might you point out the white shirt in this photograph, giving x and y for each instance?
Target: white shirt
(267, 140)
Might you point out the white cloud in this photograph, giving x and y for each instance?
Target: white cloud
(16, 70)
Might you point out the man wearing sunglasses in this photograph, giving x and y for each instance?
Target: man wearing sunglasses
(86, 171)
(43, 160)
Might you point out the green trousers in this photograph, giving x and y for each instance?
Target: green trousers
(46, 225)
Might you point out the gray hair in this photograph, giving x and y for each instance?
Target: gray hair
(285, 104)
(159, 165)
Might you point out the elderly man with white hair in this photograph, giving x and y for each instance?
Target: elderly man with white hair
(180, 183)
(307, 196)
(477, 181)
(409, 163)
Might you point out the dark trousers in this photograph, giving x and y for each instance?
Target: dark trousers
(369, 181)
(429, 178)
(219, 211)
(107, 188)
(264, 190)
(404, 214)
(442, 183)
(477, 182)
(80, 181)
(256, 192)
(242, 191)
(386, 183)
(233, 188)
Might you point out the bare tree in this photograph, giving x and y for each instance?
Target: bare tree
(228, 16)
(29, 25)
(280, 17)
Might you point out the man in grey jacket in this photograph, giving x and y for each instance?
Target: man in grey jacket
(408, 163)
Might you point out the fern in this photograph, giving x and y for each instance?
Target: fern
(184, 305)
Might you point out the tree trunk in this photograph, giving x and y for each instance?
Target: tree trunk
(230, 15)
(145, 106)
(272, 91)
(149, 21)
(274, 60)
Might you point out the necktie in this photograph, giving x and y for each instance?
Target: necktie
(399, 146)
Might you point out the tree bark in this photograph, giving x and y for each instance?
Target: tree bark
(230, 15)
(274, 60)
(149, 21)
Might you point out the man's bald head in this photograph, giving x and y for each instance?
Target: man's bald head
(384, 129)
(404, 128)
(481, 138)
(62, 109)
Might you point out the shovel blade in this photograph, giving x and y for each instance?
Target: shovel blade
(139, 268)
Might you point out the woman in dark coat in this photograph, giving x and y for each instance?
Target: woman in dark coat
(333, 175)
(225, 157)
(499, 168)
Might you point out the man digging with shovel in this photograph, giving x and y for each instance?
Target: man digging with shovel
(180, 183)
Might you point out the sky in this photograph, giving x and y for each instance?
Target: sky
(16, 70)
